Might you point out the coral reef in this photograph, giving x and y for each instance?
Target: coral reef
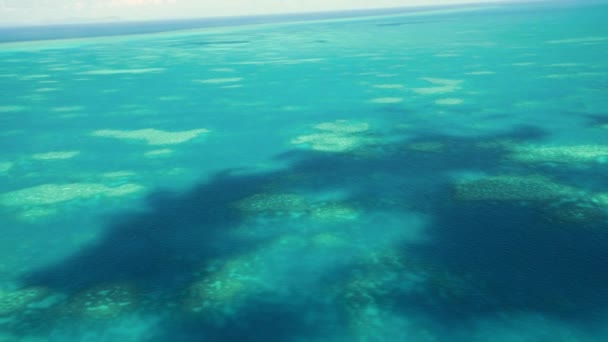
(513, 188)
(343, 127)
(559, 154)
(102, 302)
(387, 100)
(273, 203)
(440, 86)
(159, 153)
(58, 155)
(56, 193)
(224, 286)
(219, 80)
(337, 136)
(5, 166)
(121, 71)
(333, 211)
(152, 136)
(449, 101)
(16, 301)
(296, 206)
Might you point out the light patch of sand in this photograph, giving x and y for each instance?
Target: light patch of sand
(563, 65)
(337, 136)
(48, 194)
(574, 75)
(121, 71)
(480, 73)
(435, 90)
(387, 100)
(443, 81)
(33, 77)
(559, 154)
(5, 166)
(159, 153)
(222, 70)
(522, 64)
(298, 61)
(118, 174)
(282, 61)
(442, 86)
(46, 90)
(577, 40)
(11, 109)
(35, 213)
(67, 109)
(171, 98)
(449, 102)
(220, 80)
(152, 136)
(234, 86)
(58, 155)
(343, 126)
(388, 86)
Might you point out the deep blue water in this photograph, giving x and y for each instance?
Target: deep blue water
(428, 176)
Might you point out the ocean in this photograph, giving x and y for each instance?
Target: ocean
(434, 175)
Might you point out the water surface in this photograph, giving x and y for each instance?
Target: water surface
(422, 177)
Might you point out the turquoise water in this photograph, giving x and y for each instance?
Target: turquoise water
(435, 176)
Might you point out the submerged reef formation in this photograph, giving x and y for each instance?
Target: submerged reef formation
(152, 136)
(5, 166)
(224, 286)
(103, 302)
(274, 203)
(440, 86)
(333, 211)
(559, 154)
(283, 204)
(159, 153)
(449, 101)
(58, 155)
(56, 193)
(45, 200)
(15, 301)
(337, 136)
(121, 71)
(513, 188)
(381, 278)
(556, 202)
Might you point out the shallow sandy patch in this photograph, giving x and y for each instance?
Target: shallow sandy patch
(5, 166)
(387, 100)
(159, 153)
(121, 71)
(449, 102)
(476, 73)
(152, 136)
(441, 86)
(56, 155)
(220, 80)
(388, 86)
(577, 40)
(56, 193)
(11, 109)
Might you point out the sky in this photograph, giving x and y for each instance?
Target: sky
(59, 11)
